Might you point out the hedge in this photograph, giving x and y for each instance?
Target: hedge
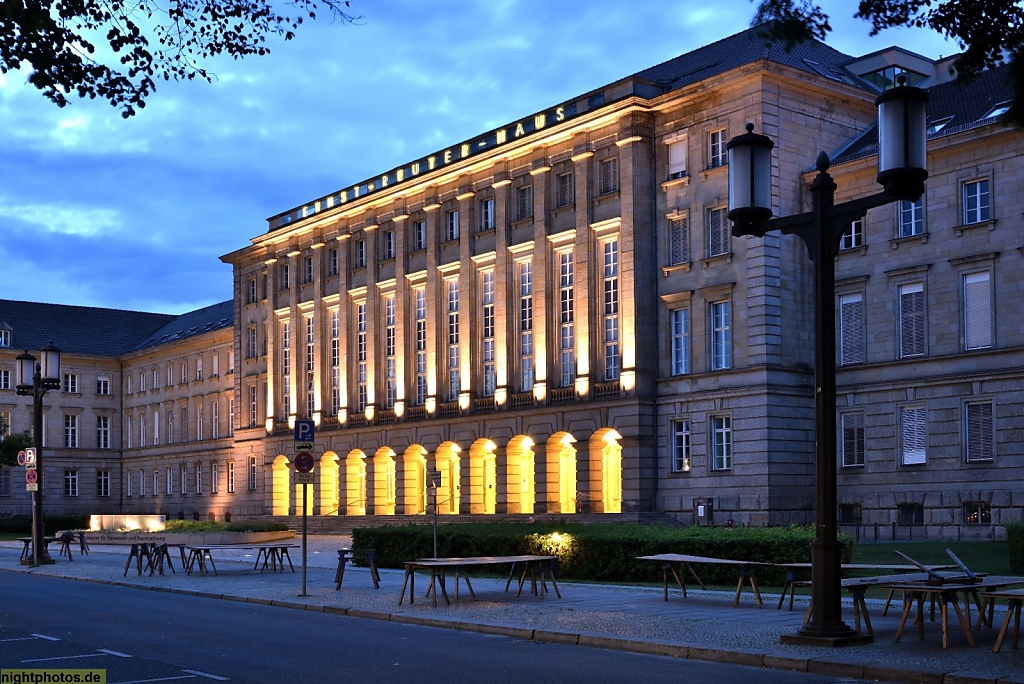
(22, 524)
(597, 552)
(1015, 545)
(215, 526)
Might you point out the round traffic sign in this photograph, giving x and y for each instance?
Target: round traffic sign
(22, 458)
(304, 462)
(31, 476)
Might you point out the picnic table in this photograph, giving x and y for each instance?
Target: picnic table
(150, 556)
(438, 567)
(1014, 598)
(273, 556)
(65, 545)
(675, 562)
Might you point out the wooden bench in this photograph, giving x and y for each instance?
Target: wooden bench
(1014, 598)
(345, 556)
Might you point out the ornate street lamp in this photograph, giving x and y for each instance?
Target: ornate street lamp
(34, 380)
(902, 115)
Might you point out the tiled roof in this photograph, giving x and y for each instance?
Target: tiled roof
(729, 53)
(963, 102)
(77, 329)
(207, 319)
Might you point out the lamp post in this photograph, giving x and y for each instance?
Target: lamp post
(34, 380)
(902, 171)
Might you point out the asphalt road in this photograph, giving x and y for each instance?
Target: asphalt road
(140, 635)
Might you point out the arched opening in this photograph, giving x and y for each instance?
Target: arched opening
(605, 466)
(483, 477)
(561, 472)
(414, 480)
(328, 473)
(447, 460)
(384, 490)
(521, 483)
(355, 483)
(279, 501)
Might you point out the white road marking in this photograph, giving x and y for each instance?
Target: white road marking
(207, 675)
(43, 636)
(157, 679)
(42, 660)
(113, 653)
(3, 641)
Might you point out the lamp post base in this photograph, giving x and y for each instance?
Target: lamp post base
(42, 561)
(841, 635)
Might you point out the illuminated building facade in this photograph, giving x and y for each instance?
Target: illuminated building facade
(555, 317)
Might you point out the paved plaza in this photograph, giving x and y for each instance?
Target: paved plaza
(704, 625)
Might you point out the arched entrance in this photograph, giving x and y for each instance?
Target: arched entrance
(384, 482)
(483, 477)
(447, 460)
(414, 480)
(355, 483)
(605, 466)
(279, 502)
(327, 471)
(521, 483)
(561, 472)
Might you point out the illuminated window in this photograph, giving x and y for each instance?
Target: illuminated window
(610, 304)
(335, 362)
(977, 513)
(454, 380)
(566, 319)
(525, 326)
(310, 366)
(361, 357)
(390, 381)
(680, 446)
(421, 345)
(487, 348)
(286, 367)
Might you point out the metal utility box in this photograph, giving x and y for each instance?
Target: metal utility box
(702, 510)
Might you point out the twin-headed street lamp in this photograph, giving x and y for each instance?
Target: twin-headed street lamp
(902, 117)
(34, 380)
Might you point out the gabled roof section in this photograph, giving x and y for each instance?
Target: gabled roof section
(198, 322)
(77, 329)
(811, 56)
(958, 105)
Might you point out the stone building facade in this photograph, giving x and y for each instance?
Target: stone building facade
(553, 317)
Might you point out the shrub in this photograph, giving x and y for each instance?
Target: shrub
(215, 526)
(1015, 545)
(22, 524)
(597, 552)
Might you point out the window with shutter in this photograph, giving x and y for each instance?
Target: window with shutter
(678, 241)
(718, 232)
(913, 435)
(851, 329)
(911, 320)
(978, 435)
(677, 159)
(977, 311)
(853, 439)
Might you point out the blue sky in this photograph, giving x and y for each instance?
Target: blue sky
(134, 214)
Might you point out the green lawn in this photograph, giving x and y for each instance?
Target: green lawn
(990, 557)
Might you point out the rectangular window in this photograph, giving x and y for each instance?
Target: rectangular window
(156, 482)
(184, 423)
(285, 276)
(851, 329)
(487, 214)
(231, 477)
(199, 369)
(250, 291)
(524, 202)
(310, 365)
(451, 225)
(420, 295)
(680, 446)
(853, 237)
(103, 432)
(564, 192)
(307, 269)
(361, 357)
(525, 326)
(199, 478)
(335, 362)
(977, 513)
(912, 335)
(419, 235)
(5, 379)
(849, 514)
(199, 423)
(231, 416)
(170, 426)
(977, 311)
(184, 479)
(388, 236)
(976, 201)
(913, 435)
(71, 383)
(721, 336)
(214, 478)
(678, 241)
(852, 426)
(609, 175)
(214, 418)
(128, 482)
(454, 380)
(332, 261)
(156, 428)
(910, 514)
(721, 442)
(184, 372)
(70, 430)
(216, 365)
(717, 154)
(169, 484)
(566, 319)
(488, 346)
(252, 473)
(390, 348)
(102, 483)
(250, 342)
(142, 483)
(677, 159)
(978, 428)
(5, 338)
(253, 407)
(718, 231)
(70, 483)
(129, 432)
(359, 254)
(680, 322)
(610, 287)
(911, 217)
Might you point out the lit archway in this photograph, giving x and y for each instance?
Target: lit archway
(279, 495)
(605, 468)
(448, 461)
(520, 488)
(355, 483)
(384, 488)
(561, 472)
(483, 477)
(413, 493)
(328, 476)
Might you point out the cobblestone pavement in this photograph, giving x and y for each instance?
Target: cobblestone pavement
(703, 626)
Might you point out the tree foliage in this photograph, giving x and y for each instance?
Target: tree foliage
(990, 32)
(118, 49)
(10, 445)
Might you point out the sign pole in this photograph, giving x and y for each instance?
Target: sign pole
(305, 431)
(305, 493)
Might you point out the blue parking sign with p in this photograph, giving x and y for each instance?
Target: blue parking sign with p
(303, 431)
